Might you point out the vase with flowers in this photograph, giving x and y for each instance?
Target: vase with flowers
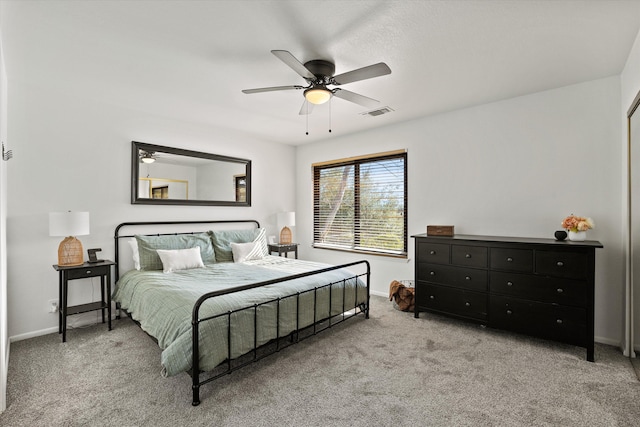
(577, 227)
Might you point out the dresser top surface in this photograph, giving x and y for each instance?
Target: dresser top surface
(507, 239)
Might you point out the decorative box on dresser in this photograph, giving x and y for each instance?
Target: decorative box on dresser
(539, 287)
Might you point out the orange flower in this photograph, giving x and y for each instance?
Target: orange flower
(577, 223)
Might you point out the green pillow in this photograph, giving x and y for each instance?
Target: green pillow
(147, 246)
(222, 240)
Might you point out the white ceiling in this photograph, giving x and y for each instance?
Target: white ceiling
(189, 60)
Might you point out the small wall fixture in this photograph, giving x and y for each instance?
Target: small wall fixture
(317, 95)
(69, 224)
(6, 155)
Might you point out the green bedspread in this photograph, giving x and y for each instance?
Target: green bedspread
(163, 303)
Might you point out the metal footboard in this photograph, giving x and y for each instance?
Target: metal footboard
(299, 333)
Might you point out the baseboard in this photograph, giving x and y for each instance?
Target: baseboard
(32, 334)
(378, 293)
(608, 341)
(76, 321)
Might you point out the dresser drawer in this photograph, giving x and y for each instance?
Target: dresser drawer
(543, 289)
(79, 273)
(562, 264)
(512, 259)
(550, 321)
(452, 301)
(433, 252)
(469, 256)
(466, 278)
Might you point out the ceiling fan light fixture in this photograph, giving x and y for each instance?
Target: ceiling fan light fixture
(317, 95)
(147, 158)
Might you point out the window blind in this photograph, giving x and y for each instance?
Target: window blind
(360, 204)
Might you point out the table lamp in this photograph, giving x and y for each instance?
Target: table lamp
(69, 224)
(285, 219)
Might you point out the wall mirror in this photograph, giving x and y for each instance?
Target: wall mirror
(173, 176)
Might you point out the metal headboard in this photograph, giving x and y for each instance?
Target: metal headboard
(164, 224)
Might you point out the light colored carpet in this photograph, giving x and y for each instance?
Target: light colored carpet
(391, 369)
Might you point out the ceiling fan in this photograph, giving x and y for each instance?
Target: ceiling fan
(147, 156)
(319, 74)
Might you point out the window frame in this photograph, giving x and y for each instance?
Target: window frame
(356, 162)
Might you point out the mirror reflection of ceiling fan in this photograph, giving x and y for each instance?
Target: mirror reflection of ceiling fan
(319, 74)
(147, 156)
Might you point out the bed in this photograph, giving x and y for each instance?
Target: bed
(215, 301)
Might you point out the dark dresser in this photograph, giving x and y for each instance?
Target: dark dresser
(539, 287)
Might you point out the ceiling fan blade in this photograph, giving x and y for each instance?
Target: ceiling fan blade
(272, 89)
(354, 97)
(375, 70)
(297, 66)
(307, 108)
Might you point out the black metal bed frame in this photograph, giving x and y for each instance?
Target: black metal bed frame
(275, 345)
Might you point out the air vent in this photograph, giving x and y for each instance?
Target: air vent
(378, 112)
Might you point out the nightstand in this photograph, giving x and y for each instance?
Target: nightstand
(100, 269)
(283, 248)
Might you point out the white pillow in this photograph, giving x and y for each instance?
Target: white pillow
(261, 240)
(180, 259)
(136, 255)
(246, 251)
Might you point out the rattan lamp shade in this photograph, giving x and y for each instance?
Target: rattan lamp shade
(69, 224)
(285, 219)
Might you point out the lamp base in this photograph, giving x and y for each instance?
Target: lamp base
(70, 252)
(285, 235)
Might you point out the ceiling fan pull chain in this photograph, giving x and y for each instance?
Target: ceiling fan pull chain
(330, 114)
(307, 118)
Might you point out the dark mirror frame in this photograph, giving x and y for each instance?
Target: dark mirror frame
(135, 171)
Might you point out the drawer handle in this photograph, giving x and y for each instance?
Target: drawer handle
(467, 304)
(559, 263)
(432, 252)
(560, 290)
(432, 297)
(467, 278)
(509, 259)
(509, 283)
(559, 321)
(433, 273)
(467, 256)
(509, 312)
(88, 271)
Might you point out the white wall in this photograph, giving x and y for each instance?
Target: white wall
(74, 153)
(4, 338)
(511, 168)
(630, 86)
(223, 175)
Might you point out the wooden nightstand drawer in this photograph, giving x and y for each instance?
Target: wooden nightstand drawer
(90, 271)
(512, 259)
(283, 248)
(469, 256)
(286, 247)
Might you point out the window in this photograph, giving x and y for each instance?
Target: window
(360, 204)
